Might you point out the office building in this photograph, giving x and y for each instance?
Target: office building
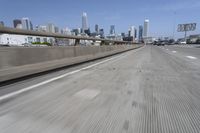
(76, 31)
(19, 26)
(131, 32)
(50, 28)
(146, 29)
(41, 28)
(87, 32)
(84, 22)
(123, 35)
(57, 30)
(26, 24)
(140, 34)
(97, 28)
(66, 31)
(17, 23)
(101, 33)
(135, 34)
(112, 30)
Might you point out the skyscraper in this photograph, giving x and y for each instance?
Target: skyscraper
(16, 22)
(57, 30)
(140, 33)
(50, 28)
(67, 31)
(97, 28)
(26, 24)
(146, 28)
(84, 22)
(132, 31)
(112, 29)
(135, 33)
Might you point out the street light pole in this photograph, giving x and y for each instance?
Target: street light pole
(174, 25)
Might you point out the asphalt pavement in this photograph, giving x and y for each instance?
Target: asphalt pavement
(148, 90)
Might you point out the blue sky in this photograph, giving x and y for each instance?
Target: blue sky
(121, 13)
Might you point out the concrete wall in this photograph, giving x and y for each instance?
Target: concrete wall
(17, 62)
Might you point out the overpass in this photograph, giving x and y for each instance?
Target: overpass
(150, 89)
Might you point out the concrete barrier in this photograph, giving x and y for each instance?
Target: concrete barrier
(16, 62)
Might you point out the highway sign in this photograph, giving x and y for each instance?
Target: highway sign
(187, 27)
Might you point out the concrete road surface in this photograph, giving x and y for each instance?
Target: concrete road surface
(148, 90)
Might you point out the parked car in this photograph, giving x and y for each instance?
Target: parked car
(182, 42)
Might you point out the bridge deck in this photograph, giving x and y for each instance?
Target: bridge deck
(148, 90)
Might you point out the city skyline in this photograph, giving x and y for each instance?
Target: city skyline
(25, 23)
(163, 14)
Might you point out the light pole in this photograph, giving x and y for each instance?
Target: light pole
(174, 26)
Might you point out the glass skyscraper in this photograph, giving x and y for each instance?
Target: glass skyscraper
(84, 22)
(97, 28)
(26, 24)
(140, 33)
(112, 29)
(16, 22)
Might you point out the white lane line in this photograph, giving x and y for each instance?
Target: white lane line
(52, 79)
(174, 51)
(167, 49)
(13, 94)
(191, 57)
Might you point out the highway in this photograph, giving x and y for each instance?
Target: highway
(148, 90)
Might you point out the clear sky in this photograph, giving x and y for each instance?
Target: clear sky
(163, 14)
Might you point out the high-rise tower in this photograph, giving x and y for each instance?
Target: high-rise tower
(84, 22)
(146, 28)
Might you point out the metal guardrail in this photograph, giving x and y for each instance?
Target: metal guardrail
(6, 30)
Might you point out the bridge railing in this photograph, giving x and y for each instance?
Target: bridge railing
(6, 30)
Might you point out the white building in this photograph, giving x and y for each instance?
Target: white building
(146, 28)
(146, 32)
(41, 28)
(84, 22)
(66, 31)
(132, 31)
(19, 40)
(19, 26)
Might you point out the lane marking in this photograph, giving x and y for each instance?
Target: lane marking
(167, 49)
(52, 79)
(174, 51)
(191, 57)
(13, 94)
